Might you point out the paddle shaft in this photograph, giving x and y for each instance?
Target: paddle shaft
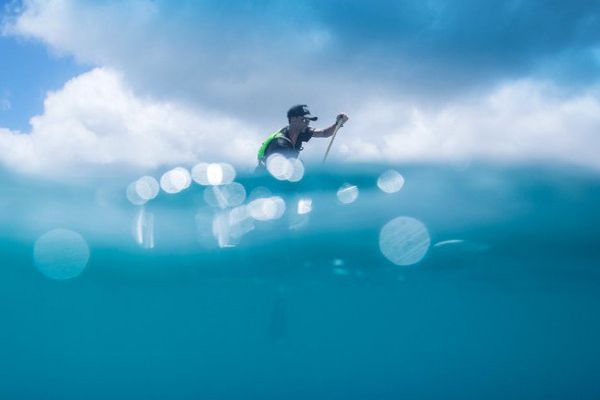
(337, 126)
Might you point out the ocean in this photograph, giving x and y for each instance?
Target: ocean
(460, 281)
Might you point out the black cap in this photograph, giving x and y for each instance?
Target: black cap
(300, 110)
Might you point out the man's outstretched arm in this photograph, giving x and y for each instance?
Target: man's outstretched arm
(327, 132)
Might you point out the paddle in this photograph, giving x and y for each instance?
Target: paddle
(337, 126)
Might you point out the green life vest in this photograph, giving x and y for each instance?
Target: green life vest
(273, 136)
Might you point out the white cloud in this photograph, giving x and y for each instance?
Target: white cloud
(84, 30)
(522, 121)
(96, 120)
(243, 63)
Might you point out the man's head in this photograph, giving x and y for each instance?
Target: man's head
(299, 116)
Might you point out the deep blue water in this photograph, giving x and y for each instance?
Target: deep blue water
(511, 311)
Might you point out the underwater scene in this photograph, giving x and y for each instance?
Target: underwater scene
(346, 282)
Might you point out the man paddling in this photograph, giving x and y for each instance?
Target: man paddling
(288, 140)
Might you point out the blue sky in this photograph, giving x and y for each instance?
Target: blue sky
(513, 81)
(27, 73)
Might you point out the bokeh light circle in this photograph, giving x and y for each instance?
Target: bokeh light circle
(199, 174)
(297, 170)
(304, 206)
(227, 173)
(175, 180)
(61, 254)
(280, 167)
(133, 195)
(240, 221)
(259, 193)
(265, 209)
(225, 196)
(404, 240)
(147, 187)
(347, 194)
(390, 181)
(214, 174)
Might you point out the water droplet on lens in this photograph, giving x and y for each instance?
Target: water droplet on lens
(404, 241)
(133, 195)
(143, 229)
(221, 230)
(390, 181)
(240, 221)
(61, 254)
(199, 174)
(304, 205)
(280, 167)
(347, 194)
(259, 192)
(265, 209)
(175, 180)
(147, 187)
(297, 170)
(225, 196)
(228, 173)
(214, 173)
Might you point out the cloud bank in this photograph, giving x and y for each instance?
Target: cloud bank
(422, 81)
(96, 121)
(523, 121)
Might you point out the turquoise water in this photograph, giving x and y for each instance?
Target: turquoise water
(505, 302)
